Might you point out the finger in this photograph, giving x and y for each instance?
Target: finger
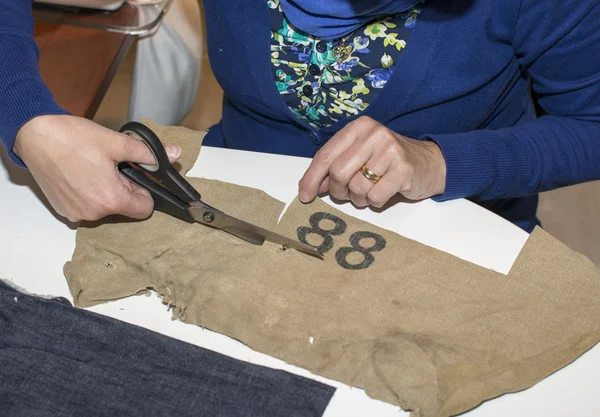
(338, 144)
(324, 187)
(348, 164)
(384, 190)
(360, 186)
(129, 185)
(357, 190)
(137, 203)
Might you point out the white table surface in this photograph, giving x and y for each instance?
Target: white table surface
(35, 245)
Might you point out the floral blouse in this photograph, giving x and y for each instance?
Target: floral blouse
(325, 81)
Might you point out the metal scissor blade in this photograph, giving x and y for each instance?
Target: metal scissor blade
(257, 235)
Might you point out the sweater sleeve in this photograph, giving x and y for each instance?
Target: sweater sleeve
(23, 94)
(557, 43)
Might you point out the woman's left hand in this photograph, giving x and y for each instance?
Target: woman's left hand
(416, 169)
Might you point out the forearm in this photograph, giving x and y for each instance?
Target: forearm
(530, 158)
(23, 94)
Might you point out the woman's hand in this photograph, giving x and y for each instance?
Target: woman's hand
(74, 161)
(415, 169)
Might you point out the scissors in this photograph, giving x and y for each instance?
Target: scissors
(173, 195)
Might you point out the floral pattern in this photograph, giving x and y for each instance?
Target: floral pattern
(316, 87)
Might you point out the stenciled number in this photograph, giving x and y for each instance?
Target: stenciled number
(315, 221)
(341, 255)
(340, 227)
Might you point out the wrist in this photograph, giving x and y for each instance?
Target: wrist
(28, 132)
(18, 144)
(439, 167)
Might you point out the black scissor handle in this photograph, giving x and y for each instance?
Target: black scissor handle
(162, 171)
(164, 200)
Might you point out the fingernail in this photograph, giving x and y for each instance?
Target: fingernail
(304, 197)
(173, 151)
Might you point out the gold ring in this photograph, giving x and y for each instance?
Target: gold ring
(370, 175)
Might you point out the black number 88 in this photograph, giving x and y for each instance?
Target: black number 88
(340, 227)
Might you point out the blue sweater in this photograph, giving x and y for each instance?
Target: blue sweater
(464, 81)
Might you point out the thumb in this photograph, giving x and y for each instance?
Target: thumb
(133, 150)
(173, 152)
(129, 149)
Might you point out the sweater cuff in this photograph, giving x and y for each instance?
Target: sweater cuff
(484, 164)
(23, 94)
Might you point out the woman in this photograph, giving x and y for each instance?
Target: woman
(426, 99)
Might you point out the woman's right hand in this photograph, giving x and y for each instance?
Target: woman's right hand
(74, 161)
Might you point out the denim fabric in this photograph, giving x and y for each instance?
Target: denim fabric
(56, 360)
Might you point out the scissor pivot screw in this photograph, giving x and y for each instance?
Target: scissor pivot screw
(208, 217)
